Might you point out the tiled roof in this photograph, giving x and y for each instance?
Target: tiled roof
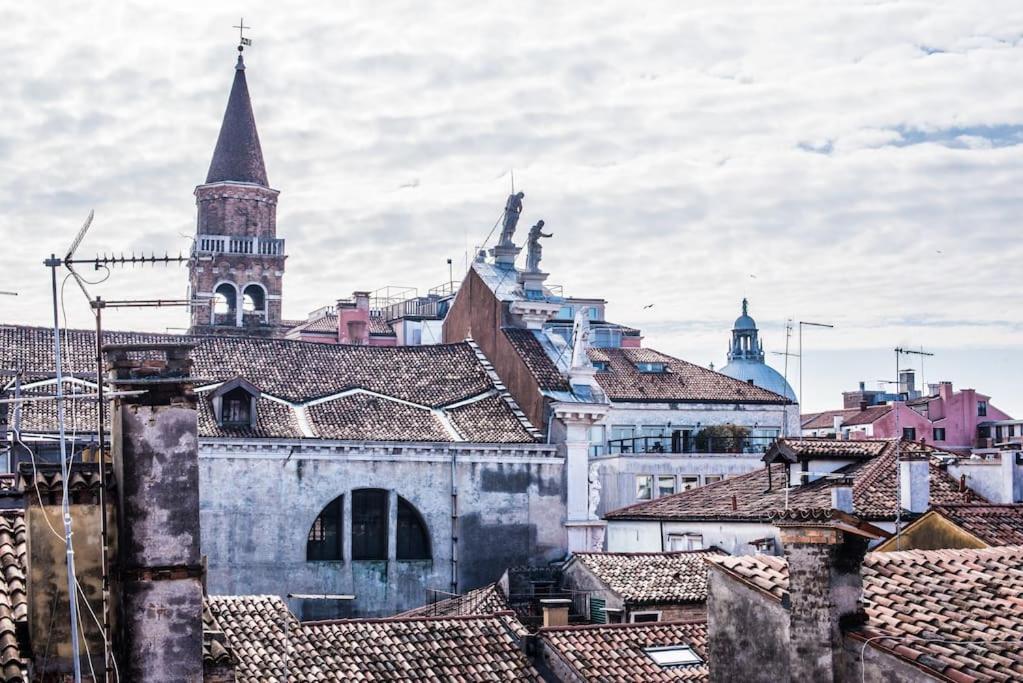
(868, 416)
(238, 155)
(379, 326)
(814, 447)
(536, 359)
(486, 600)
(256, 629)
(413, 384)
(682, 381)
(993, 524)
(13, 594)
(747, 498)
(652, 577)
(325, 324)
(469, 648)
(826, 419)
(956, 613)
(615, 652)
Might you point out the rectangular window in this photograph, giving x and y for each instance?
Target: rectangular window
(651, 368)
(566, 313)
(687, 482)
(678, 542)
(672, 656)
(711, 478)
(939, 434)
(594, 313)
(998, 433)
(656, 439)
(622, 432)
(665, 485)
(645, 617)
(644, 486)
(369, 524)
(909, 433)
(981, 408)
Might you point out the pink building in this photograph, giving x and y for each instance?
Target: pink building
(951, 420)
(351, 321)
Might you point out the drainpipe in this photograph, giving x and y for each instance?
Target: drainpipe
(454, 524)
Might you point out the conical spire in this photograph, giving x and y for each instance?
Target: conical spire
(238, 156)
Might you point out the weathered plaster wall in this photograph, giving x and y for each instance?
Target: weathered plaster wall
(259, 500)
(732, 537)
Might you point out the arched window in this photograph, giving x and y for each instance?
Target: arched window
(224, 299)
(254, 299)
(325, 540)
(369, 524)
(413, 540)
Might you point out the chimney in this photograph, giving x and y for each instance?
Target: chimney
(945, 391)
(914, 483)
(825, 551)
(842, 495)
(361, 300)
(863, 386)
(156, 463)
(49, 619)
(353, 319)
(863, 406)
(555, 611)
(1010, 479)
(837, 423)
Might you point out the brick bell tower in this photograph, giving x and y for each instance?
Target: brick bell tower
(238, 266)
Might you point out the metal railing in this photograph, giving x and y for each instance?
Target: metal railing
(655, 445)
(230, 244)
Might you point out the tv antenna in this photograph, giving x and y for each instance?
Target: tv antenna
(899, 353)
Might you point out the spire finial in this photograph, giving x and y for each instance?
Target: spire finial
(242, 42)
(745, 306)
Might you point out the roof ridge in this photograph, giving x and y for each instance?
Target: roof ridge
(624, 626)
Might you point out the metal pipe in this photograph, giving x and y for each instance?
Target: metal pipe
(104, 532)
(53, 263)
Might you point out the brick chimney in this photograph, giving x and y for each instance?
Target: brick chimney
(914, 483)
(156, 463)
(945, 391)
(49, 620)
(353, 319)
(825, 551)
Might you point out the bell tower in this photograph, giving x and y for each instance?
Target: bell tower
(745, 343)
(237, 271)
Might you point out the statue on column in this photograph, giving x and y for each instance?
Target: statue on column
(581, 340)
(594, 497)
(512, 209)
(534, 251)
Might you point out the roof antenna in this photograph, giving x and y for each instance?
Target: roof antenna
(242, 41)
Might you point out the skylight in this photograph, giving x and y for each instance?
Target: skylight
(651, 367)
(673, 655)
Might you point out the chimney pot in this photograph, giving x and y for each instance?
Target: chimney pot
(863, 405)
(735, 502)
(555, 611)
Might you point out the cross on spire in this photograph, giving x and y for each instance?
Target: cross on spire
(242, 40)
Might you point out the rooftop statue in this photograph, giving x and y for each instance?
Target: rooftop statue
(581, 341)
(512, 209)
(535, 251)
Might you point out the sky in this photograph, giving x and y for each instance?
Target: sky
(851, 163)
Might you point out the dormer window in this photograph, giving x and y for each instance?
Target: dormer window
(652, 368)
(601, 365)
(234, 403)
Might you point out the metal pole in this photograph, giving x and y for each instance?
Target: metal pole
(800, 386)
(104, 537)
(53, 263)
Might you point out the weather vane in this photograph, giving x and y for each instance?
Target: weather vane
(242, 40)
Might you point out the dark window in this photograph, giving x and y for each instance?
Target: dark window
(984, 431)
(981, 408)
(939, 433)
(369, 524)
(909, 433)
(413, 541)
(324, 542)
(998, 433)
(237, 408)
(645, 617)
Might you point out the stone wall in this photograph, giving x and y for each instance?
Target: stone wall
(259, 500)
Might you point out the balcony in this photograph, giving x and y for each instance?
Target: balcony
(682, 443)
(229, 244)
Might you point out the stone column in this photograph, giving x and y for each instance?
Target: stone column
(585, 531)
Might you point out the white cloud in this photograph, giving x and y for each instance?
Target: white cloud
(859, 159)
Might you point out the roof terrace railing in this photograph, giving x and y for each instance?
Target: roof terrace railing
(231, 244)
(677, 444)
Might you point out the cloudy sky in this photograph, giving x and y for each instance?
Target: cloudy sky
(855, 163)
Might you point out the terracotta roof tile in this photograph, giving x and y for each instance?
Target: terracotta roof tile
(674, 577)
(430, 377)
(13, 594)
(993, 524)
(682, 381)
(874, 488)
(616, 652)
(486, 600)
(256, 630)
(973, 599)
(536, 359)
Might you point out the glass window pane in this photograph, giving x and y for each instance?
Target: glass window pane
(324, 541)
(644, 486)
(687, 482)
(413, 541)
(369, 524)
(665, 485)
